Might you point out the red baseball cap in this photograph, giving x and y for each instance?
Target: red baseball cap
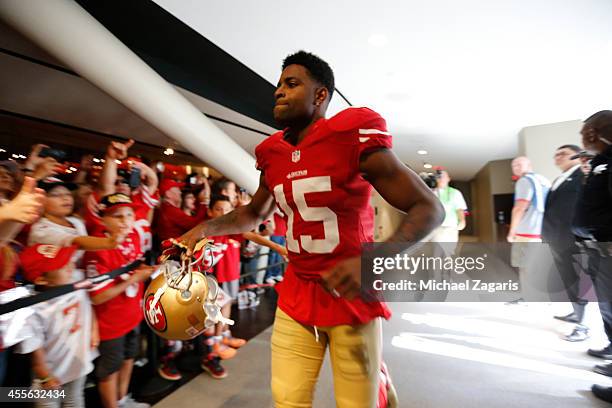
(41, 258)
(168, 183)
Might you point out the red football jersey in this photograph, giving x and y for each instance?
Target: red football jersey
(122, 313)
(326, 204)
(227, 267)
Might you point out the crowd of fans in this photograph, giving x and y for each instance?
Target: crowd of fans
(61, 223)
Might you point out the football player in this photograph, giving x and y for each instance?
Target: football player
(320, 172)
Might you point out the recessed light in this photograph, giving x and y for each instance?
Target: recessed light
(427, 166)
(378, 40)
(421, 152)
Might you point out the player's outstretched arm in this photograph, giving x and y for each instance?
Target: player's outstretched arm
(242, 219)
(404, 190)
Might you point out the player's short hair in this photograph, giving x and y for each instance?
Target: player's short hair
(319, 70)
(216, 198)
(572, 147)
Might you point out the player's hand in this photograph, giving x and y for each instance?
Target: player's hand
(118, 150)
(191, 238)
(344, 278)
(142, 273)
(27, 206)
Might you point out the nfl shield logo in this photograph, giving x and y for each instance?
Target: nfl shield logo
(295, 156)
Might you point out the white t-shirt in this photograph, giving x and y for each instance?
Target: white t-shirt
(452, 200)
(62, 327)
(47, 232)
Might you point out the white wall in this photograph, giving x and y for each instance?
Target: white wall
(539, 143)
(386, 218)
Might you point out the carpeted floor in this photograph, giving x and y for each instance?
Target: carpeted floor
(458, 355)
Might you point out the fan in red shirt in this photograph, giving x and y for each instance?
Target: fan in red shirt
(320, 172)
(117, 301)
(144, 196)
(170, 220)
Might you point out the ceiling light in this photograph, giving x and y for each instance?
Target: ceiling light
(96, 160)
(2, 151)
(421, 152)
(427, 165)
(169, 151)
(378, 40)
(73, 169)
(14, 156)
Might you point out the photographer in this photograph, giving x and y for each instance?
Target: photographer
(454, 206)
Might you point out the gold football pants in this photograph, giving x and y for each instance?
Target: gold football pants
(297, 357)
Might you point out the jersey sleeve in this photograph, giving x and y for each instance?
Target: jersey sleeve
(373, 134)
(365, 128)
(144, 202)
(262, 149)
(150, 199)
(523, 190)
(95, 265)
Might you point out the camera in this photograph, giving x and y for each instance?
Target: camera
(431, 179)
(131, 177)
(56, 154)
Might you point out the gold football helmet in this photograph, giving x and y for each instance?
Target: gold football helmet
(180, 303)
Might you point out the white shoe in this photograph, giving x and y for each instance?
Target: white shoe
(279, 278)
(271, 281)
(129, 402)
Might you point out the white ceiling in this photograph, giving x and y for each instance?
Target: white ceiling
(43, 92)
(458, 78)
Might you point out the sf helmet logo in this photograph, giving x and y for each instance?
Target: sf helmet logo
(155, 316)
(295, 156)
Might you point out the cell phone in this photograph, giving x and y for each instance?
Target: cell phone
(57, 154)
(134, 178)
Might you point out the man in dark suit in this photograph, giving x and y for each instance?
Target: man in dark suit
(557, 232)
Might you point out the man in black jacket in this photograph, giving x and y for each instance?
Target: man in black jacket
(557, 232)
(593, 225)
